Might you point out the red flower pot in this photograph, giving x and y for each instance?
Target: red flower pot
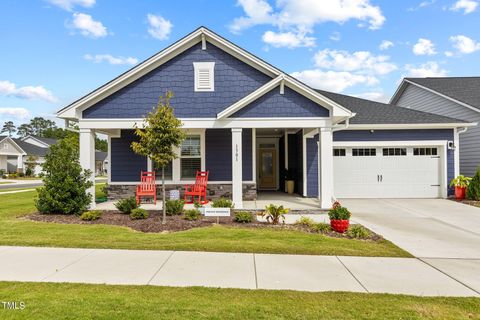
(460, 193)
(340, 225)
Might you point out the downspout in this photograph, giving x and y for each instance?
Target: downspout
(463, 130)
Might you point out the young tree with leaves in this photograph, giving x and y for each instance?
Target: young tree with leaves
(9, 127)
(161, 132)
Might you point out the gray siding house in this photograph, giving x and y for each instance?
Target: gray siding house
(456, 97)
(247, 121)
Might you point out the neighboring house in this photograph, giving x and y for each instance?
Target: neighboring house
(15, 154)
(456, 97)
(247, 120)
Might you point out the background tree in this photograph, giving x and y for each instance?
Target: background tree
(65, 182)
(39, 125)
(9, 127)
(30, 164)
(161, 132)
(24, 130)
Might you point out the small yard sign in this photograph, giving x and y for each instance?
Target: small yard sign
(216, 212)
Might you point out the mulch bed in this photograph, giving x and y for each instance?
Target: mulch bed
(174, 223)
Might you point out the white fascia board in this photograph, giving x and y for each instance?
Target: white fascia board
(443, 96)
(212, 123)
(398, 92)
(250, 98)
(409, 126)
(39, 141)
(15, 145)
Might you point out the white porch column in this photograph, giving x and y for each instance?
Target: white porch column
(237, 168)
(87, 157)
(325, 169)
(20, 163)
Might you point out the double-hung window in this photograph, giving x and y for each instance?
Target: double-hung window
(190, 157)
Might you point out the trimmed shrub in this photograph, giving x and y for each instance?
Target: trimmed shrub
(473, 190)
(91, 215)
(139, 213)
(222, 203)
(358, 232)
(65, 182)
(321, 227)
(305, 221)
(174, 207)
(243, 217)
(126, 205)
(192, 215)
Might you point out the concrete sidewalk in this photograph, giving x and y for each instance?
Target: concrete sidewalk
(435, 277)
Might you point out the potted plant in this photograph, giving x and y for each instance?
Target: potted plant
(460, 183)
(339, 217)
(289, 180)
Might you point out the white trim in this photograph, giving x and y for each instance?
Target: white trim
(15, 145)
(409, 126)
(463, 104)
(168, 182)
(254, 154)
(237, 163)
(304, 163)
(36, 139)
(87, 158)
(456, 142)
(250, 98)
(212, 123)
(286, 150)
(109, 157)
(325, 167)
(210, 67)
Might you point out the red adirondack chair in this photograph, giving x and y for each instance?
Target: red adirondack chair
(199, 189)
(147, 186)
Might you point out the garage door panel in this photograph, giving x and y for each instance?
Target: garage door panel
(384, 176)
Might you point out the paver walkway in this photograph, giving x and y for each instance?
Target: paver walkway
(239, 270)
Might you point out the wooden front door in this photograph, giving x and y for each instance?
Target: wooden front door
(268, 176)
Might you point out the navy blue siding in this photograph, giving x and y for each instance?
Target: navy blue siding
(299, 162)
(234, 80)
(403, 135)
(218, 154)
(126, 164)
(312, 167)
(247, 155)
(273, 104)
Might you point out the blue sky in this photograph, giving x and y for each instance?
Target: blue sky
(55, 51)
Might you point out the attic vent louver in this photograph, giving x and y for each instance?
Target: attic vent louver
(204, 76)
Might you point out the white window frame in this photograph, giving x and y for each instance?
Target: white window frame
(210, 66)
(176, 174)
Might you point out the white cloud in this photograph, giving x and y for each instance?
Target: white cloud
(424, 47)
(288, 39)
(448, 54)
(335, 36)
(385, 45)
(160, 28)
(87, 26)
(422, 4)
(362, 62)
(374, 95)
(19, 113)
(333, 81)
(468, 6)
(464, 44)
(300, 16)
(428, 69)
(70, 4)
(110, 59)
(9, 89)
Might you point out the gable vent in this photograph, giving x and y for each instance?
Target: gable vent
(204, 76)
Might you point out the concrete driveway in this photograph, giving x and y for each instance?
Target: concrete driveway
(427, 228)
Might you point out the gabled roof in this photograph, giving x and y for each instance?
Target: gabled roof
(47, 141)
(204, 35)
(377, 113)
(31, 149)
(462, 90)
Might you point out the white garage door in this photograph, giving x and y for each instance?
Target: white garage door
(387, 172)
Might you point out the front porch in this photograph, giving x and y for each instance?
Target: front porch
(294, 202)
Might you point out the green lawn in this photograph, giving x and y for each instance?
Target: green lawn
(3, 182)
(79, 301)
(14, 231)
